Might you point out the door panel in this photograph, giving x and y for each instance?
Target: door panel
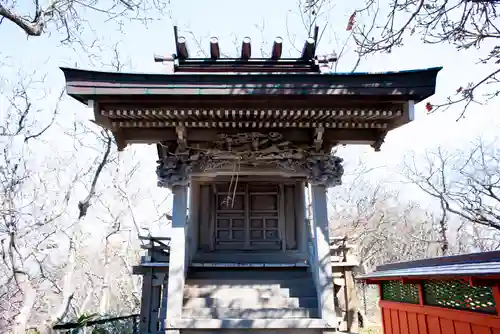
(230, 220)
(247, 218)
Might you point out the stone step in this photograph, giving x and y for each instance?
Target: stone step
(251, 302)
(232, 283)
(248, 313)
(252, 331)
(246, 274)
(215, 291)
(252, 324)
(251, 257)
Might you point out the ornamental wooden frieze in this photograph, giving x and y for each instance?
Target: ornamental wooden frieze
(251, 150)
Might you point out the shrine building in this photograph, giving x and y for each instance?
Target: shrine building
(246, 146)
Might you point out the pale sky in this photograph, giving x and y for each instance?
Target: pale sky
(233, 20)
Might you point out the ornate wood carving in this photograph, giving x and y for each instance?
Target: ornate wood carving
(173, 170)
(252, 149)
(379, 141)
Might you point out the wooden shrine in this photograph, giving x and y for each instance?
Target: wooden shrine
(246, 146)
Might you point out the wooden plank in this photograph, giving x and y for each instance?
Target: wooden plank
(204, 221)
(441, 312)
(462, 327)
(194, 218)
(300, 216)
(387, 321)
(478, 329)
(146, 302)
(281, 216)
(433, 325)
(412, 323)
(447, 326)
(422, 324)
(247, 216)
(496, 295)
(403, 322)
(290, 218)
(395, 322)
(154, 323)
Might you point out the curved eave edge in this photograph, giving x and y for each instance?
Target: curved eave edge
(412, 79)
(79, 75)
(418, 71)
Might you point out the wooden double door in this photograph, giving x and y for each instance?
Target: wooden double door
(248, 216)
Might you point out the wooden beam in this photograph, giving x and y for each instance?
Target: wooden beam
(379, 140)
(182, 51)
(277, 48)
(99, 119)
(214, 48)
(318, 138)
(309, 49)
(121, 142)
(483, 281)
(147, 282)
(496, 296)
(181, 137)
(246, 48)
(409, 280)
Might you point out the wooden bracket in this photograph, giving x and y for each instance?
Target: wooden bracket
(181, 138)
(318, 137)
(377, 144)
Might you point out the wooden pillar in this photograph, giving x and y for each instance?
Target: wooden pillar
(194, 218)
(301, 217)
(177, 266)
(147, 284)
(324, 287)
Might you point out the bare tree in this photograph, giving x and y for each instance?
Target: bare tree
(465, 24)
(39, 238)
(465, 183)
(384, 229)
(70, 17)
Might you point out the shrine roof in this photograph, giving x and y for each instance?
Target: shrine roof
(475, 264)
(204, 96)
(414, 85)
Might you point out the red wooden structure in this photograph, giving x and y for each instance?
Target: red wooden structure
(446, 295)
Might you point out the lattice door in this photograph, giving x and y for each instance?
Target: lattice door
(247, 218)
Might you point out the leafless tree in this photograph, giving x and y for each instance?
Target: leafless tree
(40, 232)
(465, 24)
(384, 229)
(465, 183)
(69, 18)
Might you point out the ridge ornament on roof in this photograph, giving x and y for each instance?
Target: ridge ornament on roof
(308, 62)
